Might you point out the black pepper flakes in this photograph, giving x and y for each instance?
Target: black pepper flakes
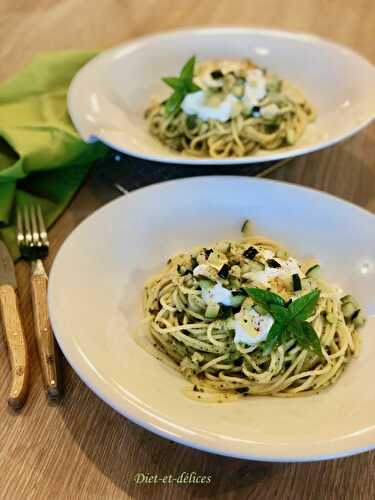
(355, 314)
(217, 74)
(224, 271)
(250, 253)
(207, 252)
(297, 285)
(238, 361)
(273, 263)
(242, 390)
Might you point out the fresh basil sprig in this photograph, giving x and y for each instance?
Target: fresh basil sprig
(289, 318)
(182, 85)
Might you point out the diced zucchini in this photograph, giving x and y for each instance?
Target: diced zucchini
(212, 310)
(217, 259)
(205, 284)
(313, 272)
(223, 246)
(348, 309)
(201, 257)
(237, 300)
(360, 319)
(256, 266)
(214, 99)
(235, 272)
(349, 299)
(196, 303)
(282, 254)
(238, 90)
(274, 84)
(234, 282)
(290, 136)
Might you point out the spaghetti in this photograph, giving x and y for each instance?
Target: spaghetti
(237, 110)
(203, 320)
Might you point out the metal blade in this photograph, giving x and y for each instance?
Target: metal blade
(7, 273)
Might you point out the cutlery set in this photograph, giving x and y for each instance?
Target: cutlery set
(33, 244)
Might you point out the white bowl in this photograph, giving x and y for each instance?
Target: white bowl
(107, 98)
(95, 306)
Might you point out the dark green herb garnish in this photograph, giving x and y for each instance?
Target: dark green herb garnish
(242, 390)
(250, 253)
(179, 316)
(217, 74)
(238, 361)
(191, 121)
(194, 262)
(182, 85)
(208, 252)
(273, 263)
(225, 312)
(290, 318)
(255, 109)
(182, 270)
(224, 271)
(297, 285)
(271, 127)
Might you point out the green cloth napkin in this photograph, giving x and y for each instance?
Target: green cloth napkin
(42, 158)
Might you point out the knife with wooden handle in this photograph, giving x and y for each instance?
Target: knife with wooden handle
(13, 331)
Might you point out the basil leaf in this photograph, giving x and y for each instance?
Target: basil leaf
(174, 102)
(303, 307)
(174, 82)
(280, 313)
(312, 338)
(190, 86)
(295, 328)
(187, 71)
(285, 336)
(273, 337)
(306, 336)
(181, 85)
(264, 297)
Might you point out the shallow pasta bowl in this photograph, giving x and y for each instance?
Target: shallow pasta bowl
(108, 97)
(96, 310)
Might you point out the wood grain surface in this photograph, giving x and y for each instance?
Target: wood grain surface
(81, 449)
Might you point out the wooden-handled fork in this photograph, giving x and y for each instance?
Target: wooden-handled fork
(33, 244)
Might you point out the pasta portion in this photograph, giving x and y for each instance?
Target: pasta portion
(245, 318)
(226, 109)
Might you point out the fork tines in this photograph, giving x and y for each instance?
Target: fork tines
(31, 232)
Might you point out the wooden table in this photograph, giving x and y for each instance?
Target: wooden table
(82, 449)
